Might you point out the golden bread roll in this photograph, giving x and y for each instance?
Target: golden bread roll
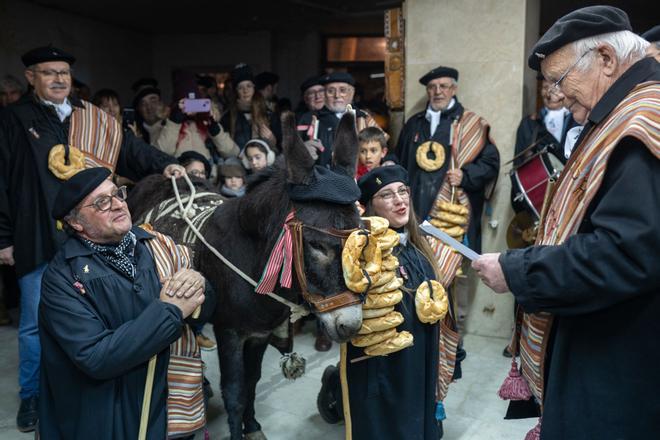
(423, 160)
(431, 309)
(381, 323)
(376, 313)
(350, 261)
(394, 284)
(381, 300)
(454, 231)
(440, 224)
(454, 208)
(388, 240)
(389, 263)
(397, 343)
(377, 225)
(56, 162)
(454, 219)
(373, 338)
(371, 256)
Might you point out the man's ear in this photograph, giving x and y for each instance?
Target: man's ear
(75, 224)
(29, 76)
(608, 59)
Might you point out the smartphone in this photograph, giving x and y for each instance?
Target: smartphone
(196, 105)
(127, 117)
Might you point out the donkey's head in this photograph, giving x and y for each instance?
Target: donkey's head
(323, 201)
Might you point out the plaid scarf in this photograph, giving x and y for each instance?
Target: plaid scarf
(120, 255)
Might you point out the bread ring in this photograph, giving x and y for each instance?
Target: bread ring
(373, 338)
(394, 284)
(455, 231)
(377, 225)
(430, 311)
(381, 279)
(454, 208)
(422, 158)
(350, 261)
(455, 219)
(57, 166)
(390, 263)
(371, 256)
(388, 240)
(387, 299)
(440, 224)
(392, 345)
(376, 313)
(386, 322)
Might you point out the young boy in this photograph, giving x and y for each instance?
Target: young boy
(373, 148)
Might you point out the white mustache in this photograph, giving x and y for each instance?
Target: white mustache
(57, 86)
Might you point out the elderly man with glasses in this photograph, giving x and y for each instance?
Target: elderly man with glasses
(589, 290)
(113, 298)
(45, 138)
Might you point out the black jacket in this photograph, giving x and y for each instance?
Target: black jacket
(28, 130)
(603, 285)
(243, 132)
(425, 185)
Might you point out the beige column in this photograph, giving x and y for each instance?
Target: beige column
(487, 41)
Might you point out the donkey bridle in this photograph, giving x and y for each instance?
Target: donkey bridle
(320, 303)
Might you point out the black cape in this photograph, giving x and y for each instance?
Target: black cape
(603, 285)
(425, 185)
(95, 345)
(28, 130)
(393, 397)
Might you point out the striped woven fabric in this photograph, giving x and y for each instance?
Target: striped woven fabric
(449, 339)
(97, 134)
(638, 116)
(279, 262)
(185, 399)
(468, 137)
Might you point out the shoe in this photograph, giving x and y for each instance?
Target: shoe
(326, 402)
(323, 343)
(205, 343)
(27, 417)
(506, 353)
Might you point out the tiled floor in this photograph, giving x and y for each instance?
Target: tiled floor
(287, 409)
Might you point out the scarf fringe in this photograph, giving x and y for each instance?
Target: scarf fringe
(535, 432)
(515, 386)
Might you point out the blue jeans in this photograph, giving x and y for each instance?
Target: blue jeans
(29, 348)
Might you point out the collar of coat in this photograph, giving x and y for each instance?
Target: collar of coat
(74, 247)
(453, 113)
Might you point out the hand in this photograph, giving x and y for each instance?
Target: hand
(174, 169)
(490, 271)
(185, 290)
(455, 177)
(134, 129)
(7, 256)
(313, 147)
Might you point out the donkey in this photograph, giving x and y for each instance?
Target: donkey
(245, 230)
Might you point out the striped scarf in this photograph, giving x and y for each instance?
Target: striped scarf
(638, 116)
(97, 134)
(279, 262)
(468, 137)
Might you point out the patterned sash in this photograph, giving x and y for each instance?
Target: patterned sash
(468, 137)
(97, 134)
(638, 116)
(185, 371)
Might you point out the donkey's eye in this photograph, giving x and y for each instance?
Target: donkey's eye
(317, 246)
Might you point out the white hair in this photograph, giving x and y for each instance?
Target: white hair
(628, 47)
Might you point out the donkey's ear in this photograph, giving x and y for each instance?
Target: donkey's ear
(299, 163)
(345, 146)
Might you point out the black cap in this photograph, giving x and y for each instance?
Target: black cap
(242, 72)
(343, 77)
(579, 24)
(232, 167)
(144, 91)
(46, 54)
(652, 35)
(188, 156)
(143, 83)
(310, 82)
(74, 190)
(379, 177)
(265, 79)
(327, 186)
(439, 72)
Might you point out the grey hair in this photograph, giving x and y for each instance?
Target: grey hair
(10, 82)
(71, 216)
(629, 47)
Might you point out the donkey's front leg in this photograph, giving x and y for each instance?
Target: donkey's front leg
(232, 379)
(253, 355)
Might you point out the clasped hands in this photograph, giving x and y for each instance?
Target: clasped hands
(185, 290)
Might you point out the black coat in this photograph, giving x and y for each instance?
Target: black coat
(95, 345)
(243, 132)
(393, 397)
(603, 285)
(28, 130)
(425, 186)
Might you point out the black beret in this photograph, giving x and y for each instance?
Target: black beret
(74, 190)
(652, 35)
(327, 186)
(343, 77)
(45, 54)
(144, 82)
(232, 167)
(242, 72)
(144, 91)
(379, 177)
(265, 79)
(310, 82)
(439, 72)
(579, 24)
(188, 156)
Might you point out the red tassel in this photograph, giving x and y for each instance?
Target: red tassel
(535, 433)
(514, 386)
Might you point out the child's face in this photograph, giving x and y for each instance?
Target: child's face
(256, 158)
(371, 153)
(234, 183)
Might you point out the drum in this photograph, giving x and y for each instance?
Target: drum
(530, 179)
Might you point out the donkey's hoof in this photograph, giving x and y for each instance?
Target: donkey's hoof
(256, 435)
